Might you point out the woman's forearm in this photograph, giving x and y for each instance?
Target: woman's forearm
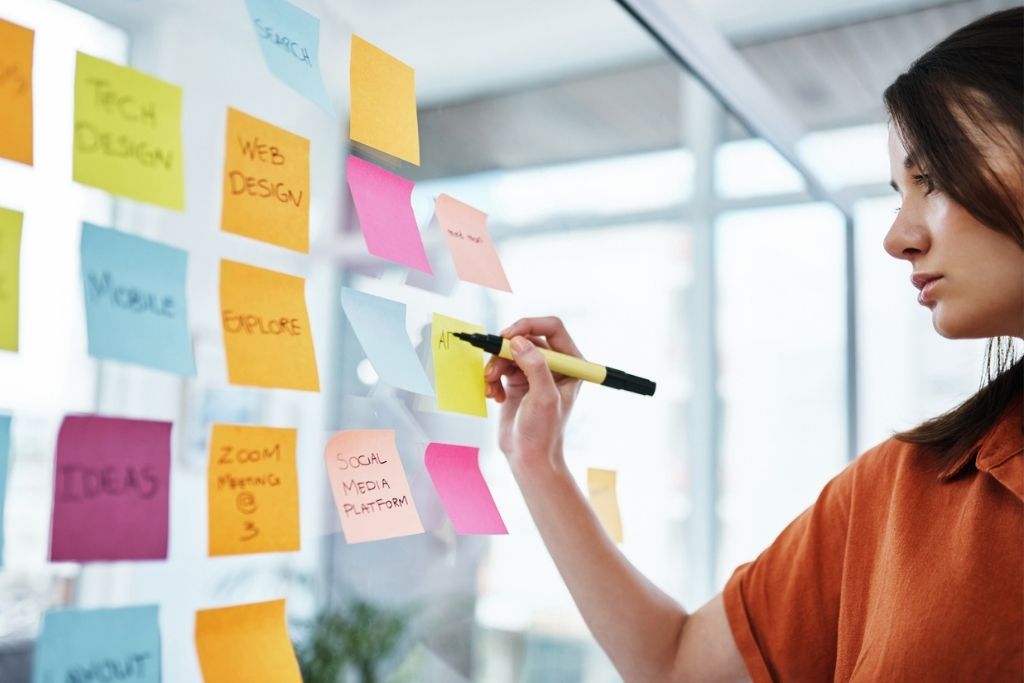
(637, 624)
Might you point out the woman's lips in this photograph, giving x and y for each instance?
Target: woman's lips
(926, 295)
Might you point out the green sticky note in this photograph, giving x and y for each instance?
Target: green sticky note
(128, 133)
(10, 257)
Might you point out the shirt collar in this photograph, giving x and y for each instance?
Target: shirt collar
(999, 452)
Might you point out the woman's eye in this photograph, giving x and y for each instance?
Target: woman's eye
(925, 181)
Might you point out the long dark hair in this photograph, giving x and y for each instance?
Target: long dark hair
(965, 92)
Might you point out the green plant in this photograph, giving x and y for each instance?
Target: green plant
(357, 636)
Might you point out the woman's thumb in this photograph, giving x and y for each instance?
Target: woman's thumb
(531, 362)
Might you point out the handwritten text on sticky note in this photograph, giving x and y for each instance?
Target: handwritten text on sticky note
(266, 183)
(111, 490)
(128, 133)
(135, 304)
(16, 46)
(10, 276)
(455, 472)
(120, 644)
(369, 486)
(246, 643)
(266, 328)
(465, 229)
(605, 501)
(290, 42)
(384, 203)
(253, 491)
(458, 367)
(383, 102)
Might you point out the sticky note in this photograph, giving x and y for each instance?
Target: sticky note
(266, 328)
(290, 41)
(128, 133)
(382, 91)
(10, 276)
(266, 183)
(121, 644)
(465, 229)
(252, 490)
(16, 45)
(379, 325)
(246, 643)
(604, 501)
(384, 203)
(111, 490)
(5, 456)
(455, 472)
(458, 368)
(136, 310)
(369, 486)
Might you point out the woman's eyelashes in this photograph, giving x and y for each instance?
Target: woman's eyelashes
(925, 181)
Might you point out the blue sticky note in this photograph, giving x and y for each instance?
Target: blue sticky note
(5, 448)
(135, 307)
(120, 644)
(379, 325)
(290, 41)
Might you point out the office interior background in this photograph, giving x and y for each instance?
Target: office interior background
(698, 189)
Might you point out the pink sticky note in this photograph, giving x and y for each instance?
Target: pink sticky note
(455, 471)
(384, 204)
(465, 228)
(111, 490)
(369, 486)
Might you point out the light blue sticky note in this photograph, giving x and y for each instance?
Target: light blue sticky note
(120, 644)
(135, 307)
(379, 325)
(290, 40)
(5, 449)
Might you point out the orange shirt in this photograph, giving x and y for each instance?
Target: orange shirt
(896, 573)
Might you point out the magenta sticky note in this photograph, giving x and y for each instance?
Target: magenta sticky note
(455, 471)
(111, 490)
(384, 203)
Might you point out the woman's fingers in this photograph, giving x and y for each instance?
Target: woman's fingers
(551, 328)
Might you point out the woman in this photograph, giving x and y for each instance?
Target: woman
(910, 565)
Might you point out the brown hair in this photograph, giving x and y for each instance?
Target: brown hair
(967, 88)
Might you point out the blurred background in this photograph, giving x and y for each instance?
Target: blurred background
(698, 189)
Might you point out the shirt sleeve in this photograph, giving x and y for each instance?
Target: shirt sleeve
(783, 608)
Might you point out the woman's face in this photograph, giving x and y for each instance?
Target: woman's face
(970, 276)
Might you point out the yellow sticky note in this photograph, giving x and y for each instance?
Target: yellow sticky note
(128, 133)
(458, 368)
(604, 500)
(266, 183)
(10, 260)
(383, 97)
(246, 643)
(16, 44)
(252, 490)
(266, 328)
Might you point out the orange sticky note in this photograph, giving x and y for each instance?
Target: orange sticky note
(246, 643)
(16, 44)
(266, 183)
(266, 328)
(369, 486)
(465, 228)
(383, 97)
(252, 490)
(604, 500)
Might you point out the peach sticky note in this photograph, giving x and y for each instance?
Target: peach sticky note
(455, 472)
(16, 44)
(383, 97)
(252, 490)
(458, 368)
(369, 486)
(266, 328)
(10, 259)
(128, 133)
(604, 500)
(246, 643)
(266, 183)
(465, 229)
(384, 203)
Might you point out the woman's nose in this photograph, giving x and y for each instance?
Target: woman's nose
(905, 238)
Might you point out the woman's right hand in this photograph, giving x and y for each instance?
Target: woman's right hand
(535, 402)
